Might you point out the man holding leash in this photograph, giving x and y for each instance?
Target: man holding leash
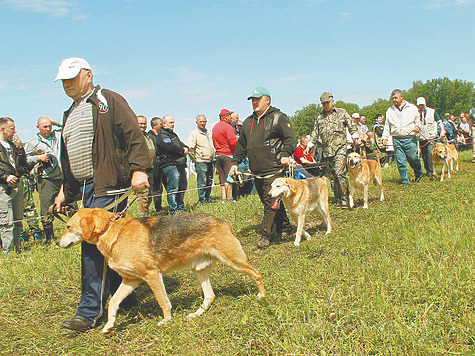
(428, 134)
(403, 122)
(268, 140)
(102, 154)
(329, 133)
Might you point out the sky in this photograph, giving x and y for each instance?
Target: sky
(185, 58)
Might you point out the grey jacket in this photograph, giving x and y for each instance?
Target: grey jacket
(39, 145)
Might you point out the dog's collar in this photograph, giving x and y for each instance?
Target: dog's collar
(117, 216)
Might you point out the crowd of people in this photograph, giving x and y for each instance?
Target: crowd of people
(101, 148)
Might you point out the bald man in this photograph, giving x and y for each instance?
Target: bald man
(43, 152)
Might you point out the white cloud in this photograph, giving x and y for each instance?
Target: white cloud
(436, 4)
(440, 4)
(346, 16)
(55, 8)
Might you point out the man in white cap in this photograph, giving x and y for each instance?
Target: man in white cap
(428, 134)
(102, 154)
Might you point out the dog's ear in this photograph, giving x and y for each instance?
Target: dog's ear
(87, 227)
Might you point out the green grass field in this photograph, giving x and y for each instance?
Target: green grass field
(397, 278)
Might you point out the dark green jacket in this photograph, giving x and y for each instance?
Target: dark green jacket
(265, 141)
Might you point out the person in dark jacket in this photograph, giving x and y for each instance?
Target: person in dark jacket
(103, 153)
(268, 140)
(158, 177)
(12, 166)
(173, 163)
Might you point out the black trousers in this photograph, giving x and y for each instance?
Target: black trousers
(158, 182)
(274, 221)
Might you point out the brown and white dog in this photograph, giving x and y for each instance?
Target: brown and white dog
(445, 155)
(301, 197)
(145, 249)
(362, 173)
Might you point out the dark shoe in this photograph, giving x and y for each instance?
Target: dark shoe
(418, 178)
(263, 243)
(78, 323)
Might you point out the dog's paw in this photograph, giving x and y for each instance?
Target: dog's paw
(199, 312)
(163, 322)
(297, 243)
(261, 295)
(107, 328)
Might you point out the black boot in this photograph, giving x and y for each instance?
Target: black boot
(49, 233)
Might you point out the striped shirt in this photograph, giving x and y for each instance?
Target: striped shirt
(78, 134)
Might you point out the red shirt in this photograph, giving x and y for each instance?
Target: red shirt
(224, 138)
(299, 154)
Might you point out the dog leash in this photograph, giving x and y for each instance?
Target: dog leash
(51, 213)
(237, 177)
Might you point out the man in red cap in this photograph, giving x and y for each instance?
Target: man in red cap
(224, 141)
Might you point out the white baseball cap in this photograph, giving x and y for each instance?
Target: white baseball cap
(70, 68)
(355, 115)
(421, 101)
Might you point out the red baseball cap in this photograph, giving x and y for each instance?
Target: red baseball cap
(224, 112)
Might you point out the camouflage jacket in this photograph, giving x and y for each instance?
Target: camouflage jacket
(329, 131)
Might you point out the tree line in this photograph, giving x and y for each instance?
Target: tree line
(442, 94)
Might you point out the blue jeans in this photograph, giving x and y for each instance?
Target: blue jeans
(93, 296)
(204, 180)
(176, 181)
(406, 148)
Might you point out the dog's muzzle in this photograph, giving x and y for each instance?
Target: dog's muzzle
(353, 164)
(276, 202)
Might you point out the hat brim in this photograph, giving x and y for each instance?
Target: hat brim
(256, 96)
(67, 73)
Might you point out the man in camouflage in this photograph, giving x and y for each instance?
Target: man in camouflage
(329, 133)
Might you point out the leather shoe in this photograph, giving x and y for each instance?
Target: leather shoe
(78, 323)
(263, 243)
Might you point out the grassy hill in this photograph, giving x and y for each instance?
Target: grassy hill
(397, 278)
